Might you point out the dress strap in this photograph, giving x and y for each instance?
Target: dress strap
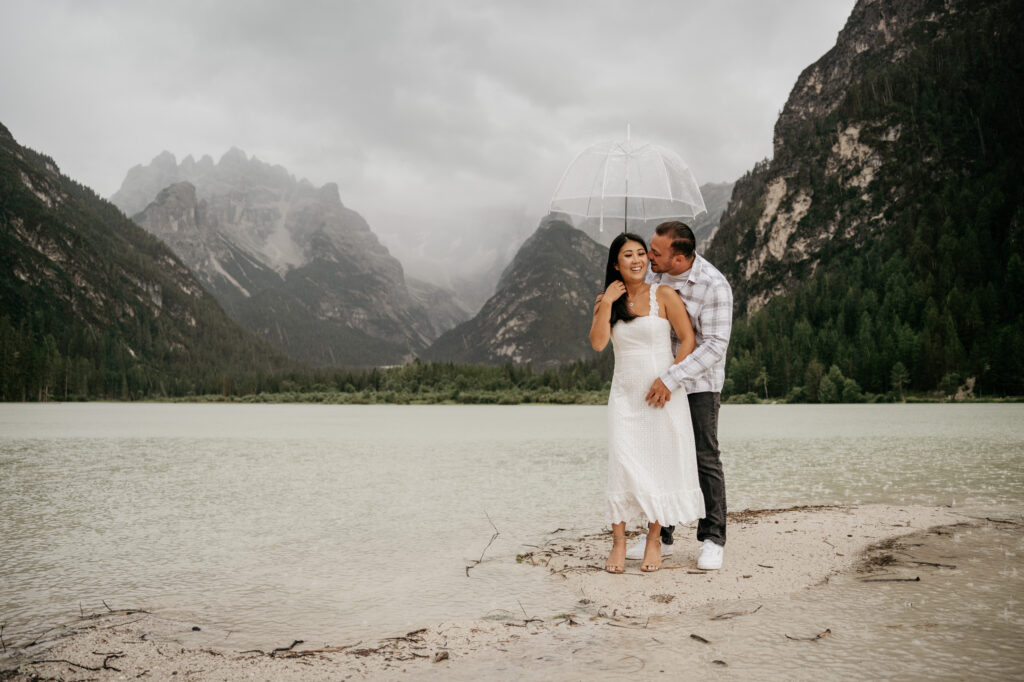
(654, 300)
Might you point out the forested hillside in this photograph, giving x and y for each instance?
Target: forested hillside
(92, 306)
(541, 311)
(880, 250)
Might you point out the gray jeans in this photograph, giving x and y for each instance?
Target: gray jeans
(704, 409)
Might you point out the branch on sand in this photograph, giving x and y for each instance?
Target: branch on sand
(493, 537)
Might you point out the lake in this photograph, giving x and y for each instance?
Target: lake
(337, 523)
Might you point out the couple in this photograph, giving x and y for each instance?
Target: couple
(670, 329)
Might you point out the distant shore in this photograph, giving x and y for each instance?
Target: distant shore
(516, 398)
(771, 554)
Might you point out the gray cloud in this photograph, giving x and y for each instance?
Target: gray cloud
(433, 117)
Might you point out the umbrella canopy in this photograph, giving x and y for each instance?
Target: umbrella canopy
(629, 181)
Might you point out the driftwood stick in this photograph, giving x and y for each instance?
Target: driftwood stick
(493, 537)
(64, 660)
(287, 648)
(118, 625)
(826, 633)
(734, 614)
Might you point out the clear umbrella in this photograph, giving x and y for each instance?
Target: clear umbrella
(629, 181)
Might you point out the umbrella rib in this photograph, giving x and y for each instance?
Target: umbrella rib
(668, 182)
(604, 180)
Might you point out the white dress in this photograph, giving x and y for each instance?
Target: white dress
(652, 460)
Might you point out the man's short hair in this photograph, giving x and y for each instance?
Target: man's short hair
(683, 241)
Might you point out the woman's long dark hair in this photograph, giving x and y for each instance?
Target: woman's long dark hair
(620, 309)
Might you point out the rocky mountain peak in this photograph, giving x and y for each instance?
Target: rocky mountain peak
(164, 161)
(329, 193)
(289, 260)
(541, 311)
(234, 157)
(873, 32)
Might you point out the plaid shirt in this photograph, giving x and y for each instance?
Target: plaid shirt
(708, 299)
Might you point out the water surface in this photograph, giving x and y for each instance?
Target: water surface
(338, 523)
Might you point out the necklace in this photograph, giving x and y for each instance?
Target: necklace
(630, 303)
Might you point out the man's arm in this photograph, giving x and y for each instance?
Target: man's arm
(716, 327)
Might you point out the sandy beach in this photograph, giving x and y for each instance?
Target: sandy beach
(771, 555)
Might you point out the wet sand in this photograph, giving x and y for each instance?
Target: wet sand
(770, 554)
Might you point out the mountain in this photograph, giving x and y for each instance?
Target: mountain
(541, 311)
(884, 236)
(92, 305)
(287, 260)
(716, 199)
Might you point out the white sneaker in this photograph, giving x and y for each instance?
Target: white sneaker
(637, 550)
(710, 556)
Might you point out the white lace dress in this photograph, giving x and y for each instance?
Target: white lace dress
(652, 460)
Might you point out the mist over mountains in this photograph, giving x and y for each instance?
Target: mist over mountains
(879, 249)
(93, 306)
(288, 260)
(292, 263)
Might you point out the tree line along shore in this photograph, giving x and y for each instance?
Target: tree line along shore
(49, 377)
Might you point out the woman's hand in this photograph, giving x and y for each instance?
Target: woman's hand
(614, 292)
(600, 329)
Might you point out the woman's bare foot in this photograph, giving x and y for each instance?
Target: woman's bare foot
(652, 553)
(617, 559)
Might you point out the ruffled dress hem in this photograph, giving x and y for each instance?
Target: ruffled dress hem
(670, 509)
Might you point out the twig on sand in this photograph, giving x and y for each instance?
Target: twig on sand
(493, 537)
(734, 614)
(106, 662)
(891, 580)
(283, 649)
(931, 563)
(413, 636)
(820, 635)
(699, 639)
(313, 652)
(119, 625)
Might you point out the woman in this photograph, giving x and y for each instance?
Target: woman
(652, 461)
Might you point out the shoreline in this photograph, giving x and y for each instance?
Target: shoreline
(770, 554)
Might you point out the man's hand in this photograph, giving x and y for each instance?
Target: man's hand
(659, 394)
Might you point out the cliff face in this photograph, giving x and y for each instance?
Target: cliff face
(883, 242)
(824, 187)
(288, 260)
(104, 307)
(875, 32)
(541, 311)
(716, 198)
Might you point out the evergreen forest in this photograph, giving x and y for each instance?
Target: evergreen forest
(932, 302)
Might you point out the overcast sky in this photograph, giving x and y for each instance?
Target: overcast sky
(433, 113)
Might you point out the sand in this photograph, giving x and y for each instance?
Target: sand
(770, 554)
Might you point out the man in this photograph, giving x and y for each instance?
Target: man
(708, 299)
